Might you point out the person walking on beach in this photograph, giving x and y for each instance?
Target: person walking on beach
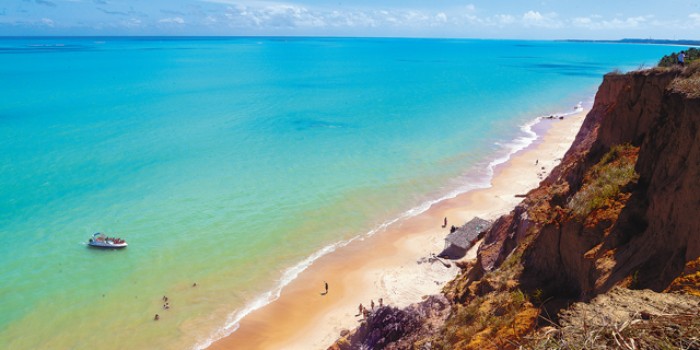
(326, 285)
(445, 223)
(681, 59)
(372, 304)
(360, 309)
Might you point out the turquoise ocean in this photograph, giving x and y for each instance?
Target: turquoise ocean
(235, 162)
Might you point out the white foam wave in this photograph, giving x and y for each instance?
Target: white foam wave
(290, 274)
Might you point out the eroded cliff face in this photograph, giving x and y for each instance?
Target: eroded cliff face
(643, 236)
(622, 209)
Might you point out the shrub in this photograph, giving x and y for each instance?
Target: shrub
(605, 180)
(691, 54)
(537, 296)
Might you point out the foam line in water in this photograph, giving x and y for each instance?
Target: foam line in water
(290, 274)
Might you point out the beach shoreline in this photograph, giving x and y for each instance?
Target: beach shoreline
(392, 265)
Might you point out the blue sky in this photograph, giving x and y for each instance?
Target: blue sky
(593, 19)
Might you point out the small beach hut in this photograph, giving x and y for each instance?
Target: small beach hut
(458, 242)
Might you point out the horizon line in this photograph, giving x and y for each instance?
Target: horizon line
(630, 40)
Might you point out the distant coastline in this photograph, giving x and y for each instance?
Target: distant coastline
(682, 42)
(639, 41)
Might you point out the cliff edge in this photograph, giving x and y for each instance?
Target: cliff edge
(619, 213)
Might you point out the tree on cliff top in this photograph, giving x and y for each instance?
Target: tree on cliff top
(671, 60)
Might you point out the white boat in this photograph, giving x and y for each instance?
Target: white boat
(100, 240)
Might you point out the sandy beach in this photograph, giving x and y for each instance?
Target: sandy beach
(392, 264)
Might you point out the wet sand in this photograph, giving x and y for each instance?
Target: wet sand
(389, 264)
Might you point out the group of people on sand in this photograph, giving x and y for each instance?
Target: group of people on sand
(166, 304)
(361, 309)
(365, 311)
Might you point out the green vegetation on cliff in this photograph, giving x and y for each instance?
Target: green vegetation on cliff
(671, 60)
(605, 180)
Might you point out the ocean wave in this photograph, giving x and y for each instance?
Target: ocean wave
(474, 182)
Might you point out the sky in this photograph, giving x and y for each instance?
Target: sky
(499, 19)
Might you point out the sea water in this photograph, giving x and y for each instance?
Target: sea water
(233, 163)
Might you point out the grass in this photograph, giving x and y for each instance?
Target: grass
(678, 331)
(689, 83)
(604, 182)
(491, 321)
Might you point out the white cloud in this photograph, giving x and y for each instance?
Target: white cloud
(533, 16)
(293, 17)
(582, 21)
(695, 17)
(131, 23)
(441, 17)
(273, 15)
(175, 20)
(351, 19)
(467, 18)
(278, 15)
(635, 21)
(47, 22)
(504, 19)
(598, 23)
(536, 19)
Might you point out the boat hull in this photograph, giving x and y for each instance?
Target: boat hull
(107, 245)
